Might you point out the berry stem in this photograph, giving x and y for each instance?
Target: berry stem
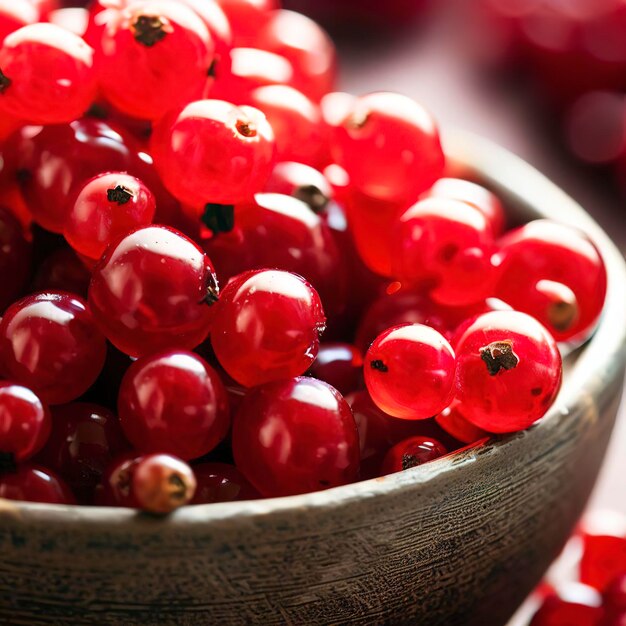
(499, 355)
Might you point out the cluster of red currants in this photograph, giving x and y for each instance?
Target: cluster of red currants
(174, 143)
(594, 566)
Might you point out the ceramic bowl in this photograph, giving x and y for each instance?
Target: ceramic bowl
(461, 540)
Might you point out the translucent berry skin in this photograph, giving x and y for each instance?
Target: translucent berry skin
(154, 56)
(219, 482)
(107, 207)
(14, 14)
(51, 78)
(571, 603)
(302, 182)
(297, 123)
(32, 483)
(547, 251)
(24, 421)
(85, 438)
(245, 16)
(15, 256)
(162, 483)
(397, 134)
(50, 343)
(398, 358)
(267, 326)
(306, 46)
(449, 243)
(214, 152)
(63, 271)
(278, 231)
(475, 195)
(152, 290)
(340, 365)
(295, 436)
(411, 453)
(173, 402)
(452, 421)
(508, 371)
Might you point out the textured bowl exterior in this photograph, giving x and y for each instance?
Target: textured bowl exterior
(460, 541)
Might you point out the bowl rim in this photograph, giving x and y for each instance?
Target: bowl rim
(600, 363)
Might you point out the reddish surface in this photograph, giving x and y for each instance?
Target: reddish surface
(339, 365)
(411, 453)
(35, 484)
(219, 482)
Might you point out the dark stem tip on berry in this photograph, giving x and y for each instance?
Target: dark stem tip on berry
(246, 128)
(378, 365)
(149, 30)
(562, 315)
(212, 291)
(7, 462)
(408, 461)
(313, 196)
(219, 218)
(358, 119)
(119, 194)
(498, 356)
(211, 72)
(5, 82)
(179, 489)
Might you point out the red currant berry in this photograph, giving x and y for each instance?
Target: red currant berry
(154, 56)
(46, 75)
(49, 342)
(400, 356)
(572, 603)
(14, 14)
(152, 290)
(24, 422)
(32, 483)
(340, 365)
(402, 143)
(173, 402)
(471, 193)
(614, 595)
(63, 271)
(302, 182)
(295, 436)
(107, 207)
(84, 440)
(411, 453)
(162, 483)
(452, 421)
(246, 16)
(296, 121)
(508, 371)
(306, 46)
(116, 486)
(15, 253)
(544, 251)
(450, 244)
(267, 326)
(213, 152)
(219, 482)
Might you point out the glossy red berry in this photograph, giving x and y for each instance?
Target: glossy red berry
(63, 271)
(32, 483)
(267, 326)
(219, 482)
(46, 75)
(116, 486)
(340, 365)
(15, 255)
(245, 16)
(213, 152)
(24, 422)
(411, 453)
(14, 14)
(401, 140)
(154, 56)
(554, 273)
(107, 207)
(173, 402)
(508, 371)
(153, 290)
(50, 343)
(84, 440)
(161, 483)
(452, 421)
(571, 603)
(448, 244)
(302, 182)
(295, 436)
(398, 358)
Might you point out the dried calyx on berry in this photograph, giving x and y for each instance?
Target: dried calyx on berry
(150, 29)
(498, 356)
(5, 82)
(119, 194)
(219, 218)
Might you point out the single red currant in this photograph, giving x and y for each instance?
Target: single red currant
(173, 402)
(267, 326)
(452, 421)
(398, 358)
(154, 56)
(24, 423)
(402, 143)
(302, 182)
(107, 207)
(219, 482)
(15, 256)
(508, 371)
(213, 152)
(14, 14)
(295, 436)
(32, 483)
(116, 486)
(63, 271)
(46, 75)
(571, 603)
(152, 290)
(49, 342)
(411, 453)
(340, 365)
